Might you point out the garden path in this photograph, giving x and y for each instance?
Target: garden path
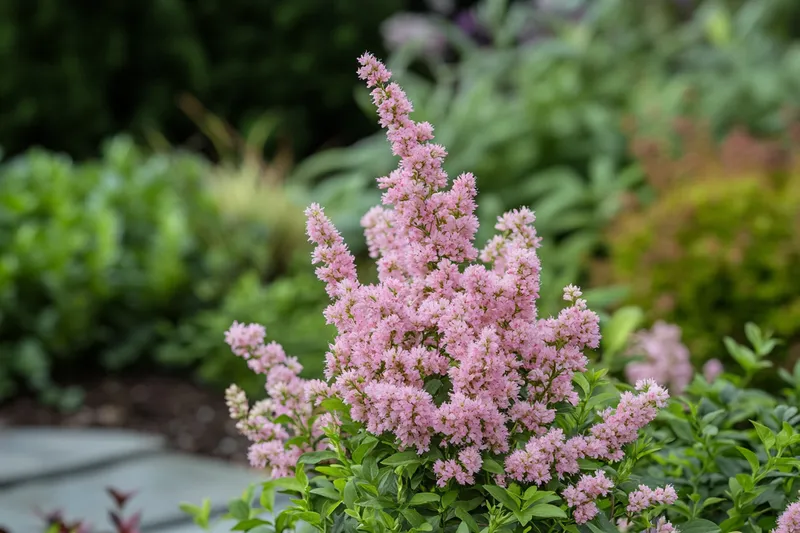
(69, 470)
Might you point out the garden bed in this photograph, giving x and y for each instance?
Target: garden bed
(193, 418)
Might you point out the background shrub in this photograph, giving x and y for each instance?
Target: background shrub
(101, 260)
(720, 240)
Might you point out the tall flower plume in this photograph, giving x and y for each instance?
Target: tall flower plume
(446, 350)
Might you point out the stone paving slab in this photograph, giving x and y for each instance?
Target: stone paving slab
(163, 481)
(30, 453)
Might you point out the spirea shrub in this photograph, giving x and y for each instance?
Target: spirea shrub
(448, 404)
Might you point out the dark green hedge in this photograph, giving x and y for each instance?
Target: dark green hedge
(75, 72)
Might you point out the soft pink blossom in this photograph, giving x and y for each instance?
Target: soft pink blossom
(666, 357)
(712, 369)
(789, 520)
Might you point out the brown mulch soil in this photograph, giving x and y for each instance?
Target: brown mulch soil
(193, 418)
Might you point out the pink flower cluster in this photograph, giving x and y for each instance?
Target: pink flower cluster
(446, 349)
(645, 497)
(667, 358)
(583, 495)
(789, 521)
(662, 526)
(462, 470)
(288, 395)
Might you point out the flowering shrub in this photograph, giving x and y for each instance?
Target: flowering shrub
(448, 404)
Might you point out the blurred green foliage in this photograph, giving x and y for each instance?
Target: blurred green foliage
(93, 256)
(720, 240)
(291, 310)
(109, 262)
(540, 114)
(75, 73)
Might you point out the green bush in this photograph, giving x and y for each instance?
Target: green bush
(291, 310)
(76, 73)
(94, 256)
(718, 243)
(110, 262)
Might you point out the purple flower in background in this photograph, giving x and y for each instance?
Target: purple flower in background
(712, 369)
(405, 28)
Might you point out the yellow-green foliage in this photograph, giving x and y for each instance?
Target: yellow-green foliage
(716, 249)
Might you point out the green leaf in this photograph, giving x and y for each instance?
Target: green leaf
(267, 497)
(402, 459)
(422, 498)
(310, 517)
(335, 404)
(467, 519)
(239, 509)
(601, 399)
(333, 471)
(284, 419)
(619, 329)
(301, 476)
(462, 528)
(250, 523)
(492, 466)
(413, 517)
(751, 457)
(288, 483)
(312, 458)
(764, 434)
(327, 492)
(350, 494)
(199, 514)
(546, 510)
(449, 498)
(711, 501)
(329, 507)
(753, 334)
(500, 494)
(433, 386)
(699, 525)
(582, 382)
(364, 448)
